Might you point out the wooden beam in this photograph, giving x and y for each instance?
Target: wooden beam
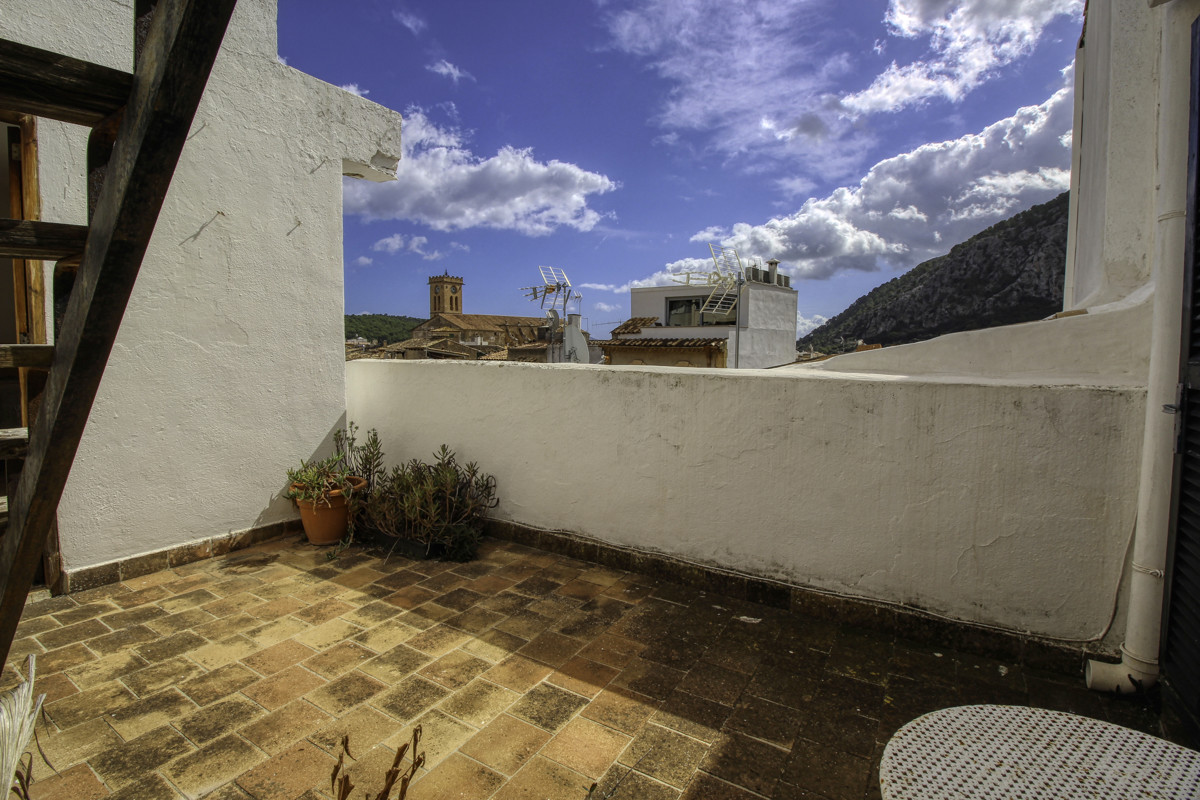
(13, 442)
(180, 48)
(46, 84)
(49, 241)
(26, 355)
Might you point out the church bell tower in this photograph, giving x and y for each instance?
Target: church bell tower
(445, 294)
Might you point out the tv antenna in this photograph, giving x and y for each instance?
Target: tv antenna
(727, 279)
(555, 290)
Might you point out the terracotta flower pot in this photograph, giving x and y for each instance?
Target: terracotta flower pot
(326, 523)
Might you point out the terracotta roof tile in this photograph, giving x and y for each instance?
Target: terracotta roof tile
(634, 325)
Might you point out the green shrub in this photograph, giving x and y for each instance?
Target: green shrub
(438, 506)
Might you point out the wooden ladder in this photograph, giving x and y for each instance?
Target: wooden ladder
(139, 123)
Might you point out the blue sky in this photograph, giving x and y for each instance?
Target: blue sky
(615, 139)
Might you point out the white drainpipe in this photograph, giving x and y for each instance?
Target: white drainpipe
(1138, 667)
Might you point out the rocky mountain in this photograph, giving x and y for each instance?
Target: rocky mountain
(1011, 272)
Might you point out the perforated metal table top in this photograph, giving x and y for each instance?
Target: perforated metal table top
(1018, 753)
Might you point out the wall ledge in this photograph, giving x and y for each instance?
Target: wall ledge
(146, 563)
(902, 621)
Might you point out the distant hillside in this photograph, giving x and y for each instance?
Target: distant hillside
(1011, 272)
(380, 327)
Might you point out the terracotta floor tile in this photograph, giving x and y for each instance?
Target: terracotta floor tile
(323, 611)
(276, 631)
(396, 664)
(181, 621)
(149, 713)
(547, 706)
(89, 704)
(706, 787)
(76, 783)
(130, 761)
(586, 747)
(218, 683)
(441, 736)
(65, 748)
(218, 762)
(697, 717)
(622, 783)
(518, 673)
(224, 717)
(458, 778)
(344, 693)
(612, 650)
(328, 634)
(281, 728)
(365, 726)
(151, 679)
(283, 687)
(438, 640)
(455, 669)
(410, 698)
(621, 709)
(55, 687)
(494, 645)
(151, 787)
(340, 658)
(664, 755)
(226, 651)
(289, 774)
(744, 761)
(506, 743)
(543, 778)
(277, 657)
(479, 702)
(385, 635)
(583, 676)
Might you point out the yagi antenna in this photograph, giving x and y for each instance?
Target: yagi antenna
(555, 290)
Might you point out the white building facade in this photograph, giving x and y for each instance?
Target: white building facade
(760, 330)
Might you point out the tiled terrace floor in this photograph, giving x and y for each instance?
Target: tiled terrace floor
(533, 675)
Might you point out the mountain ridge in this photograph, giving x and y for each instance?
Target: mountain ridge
(1010, 272)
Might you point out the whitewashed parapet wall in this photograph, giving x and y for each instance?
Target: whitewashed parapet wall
(1008, 503)
(229, 366)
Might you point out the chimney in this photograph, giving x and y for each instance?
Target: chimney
(773, 268)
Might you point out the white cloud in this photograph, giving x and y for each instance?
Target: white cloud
(353, 88)
(442, 184)
(411, 21)
(607, 308)
(806, 325)
(448, 70)
(396, 243)
(363, 261)
(391, 245)
(752, 77)
(969, 41)
(901, 211)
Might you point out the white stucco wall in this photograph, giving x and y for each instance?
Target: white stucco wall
(1005, 503)
(229, 364)
(1114, 154)
(1108, 347)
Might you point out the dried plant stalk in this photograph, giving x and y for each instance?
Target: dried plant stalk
(18, 716)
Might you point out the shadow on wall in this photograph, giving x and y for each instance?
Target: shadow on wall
(280, 509)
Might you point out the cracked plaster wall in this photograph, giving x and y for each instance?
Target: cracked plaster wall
(228, 367)
(1009, 504)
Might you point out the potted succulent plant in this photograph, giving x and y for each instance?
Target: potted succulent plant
(321, 489)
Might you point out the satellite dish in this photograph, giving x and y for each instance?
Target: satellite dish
(552, 320)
